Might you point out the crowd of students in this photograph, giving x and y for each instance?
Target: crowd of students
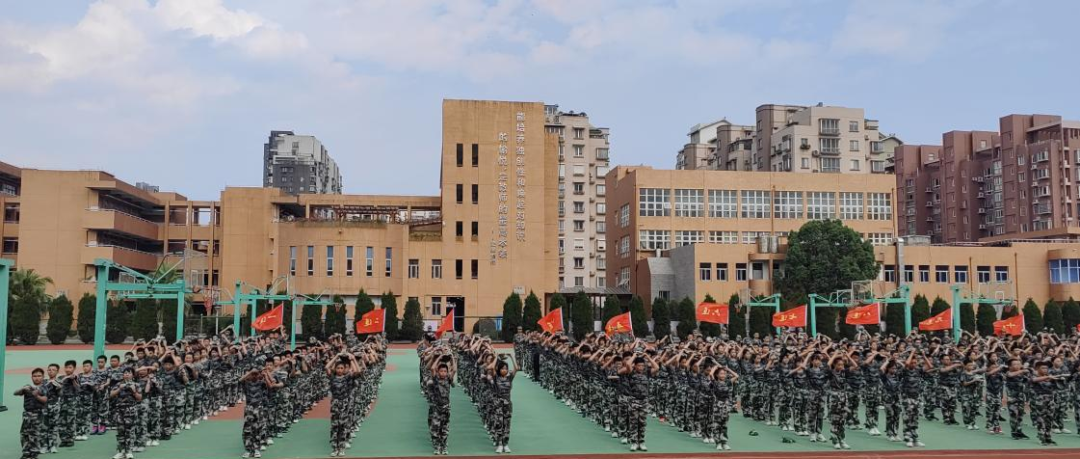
(158, 390)
(796, 382)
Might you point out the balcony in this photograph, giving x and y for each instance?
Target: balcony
(830, 151)
(870, 125)
(829, 130)
(127, 257)
(114, 220)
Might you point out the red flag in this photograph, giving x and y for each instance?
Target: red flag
(864, 315)
(795, 317)
(619, 324)
(712, 313)
(447, 324)
(373, 321)
(270, 320)
(1014, 325)
(552, 322)
(942, 321)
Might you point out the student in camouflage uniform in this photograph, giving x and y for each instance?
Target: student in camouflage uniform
(995, 391)
(636, 372)
(948, 384)
(126, 395)
(69, 405)
(1062, 375)
(443, 368)
(1016, 384)
(838, 388)
(34, 400)
(891, 397)
(100, 414)
(912, 384)
(971, 390)
(1043, 386)
(872, 391)
(84, 414)
(53, 387)
(172, 396)
(721, 386)
(343, 370)
(256, 385)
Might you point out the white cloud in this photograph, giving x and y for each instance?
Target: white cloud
(206, 18)
(903, 29)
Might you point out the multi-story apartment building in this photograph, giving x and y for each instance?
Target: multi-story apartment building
(491, 231)
(792, 138)
(679, 234)
(299, 164)
(1019, 182)
(584, 155)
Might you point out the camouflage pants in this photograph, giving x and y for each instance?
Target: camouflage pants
(189, 405)
(838, 415)
(253, 427)
(637, 410)
(1016, 414)
(892, 415)
(911, 418)
(787, 400)
(84, 417)
(1061, 406)
(339, 424)
(66, 422)
(172, 410)
(153, 418)
(439, 425)
(52, 426)
(969, 406)
(948, 404)
(799, 410)
(126, 419)
(718, 426)
(853, 409)
(30, 434)
(503, 409)
(993, 411)
(815, 411)
(871, 400)
(1043, 415)
(100, 416)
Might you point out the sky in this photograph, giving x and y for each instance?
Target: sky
(183, 93)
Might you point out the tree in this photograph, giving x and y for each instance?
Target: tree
(920, 311)
(118, 323)
(412, 325)
(638, 318)
(335, 317)
(846, 330)
(582, 312)
(24, 318)
(311, 322)
(612, 307)
(894, 319)
(1033, 320)
(967, 318)
(985, 319)
(511, 317)
(144, 323)
(28, 284)
(937, 307)
(825, 256)
(60, 318)
(1070, 314)
(393, 325)
(559, 301)
(1009, 311)
(761, 321)
(826, 319)
(364, 305)
(87, 310)
(708, 328)
(530, 316)
(736, 317)
(168, 319)
(1052, 317)
(661, 316)
(687, 314)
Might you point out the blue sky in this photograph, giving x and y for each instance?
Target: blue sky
(182, 93)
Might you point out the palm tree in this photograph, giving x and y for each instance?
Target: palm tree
(25, 283)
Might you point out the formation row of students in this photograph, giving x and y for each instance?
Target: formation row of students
(355, 373)
(488, 379)
(438, 368)
(158, 390)
(795, 382)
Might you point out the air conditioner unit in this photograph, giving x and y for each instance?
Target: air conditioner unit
(815, 153)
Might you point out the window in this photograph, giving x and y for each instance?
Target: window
(854, 164)
(475, 269)
(880, 206)
(924, 273)
(877, 166)
(854, 146)
(723, 237)
(329, 260)
(601, 227)
(579, 133)
(722, 204)
(292, 260)
(830, 164)
(853, 126)
(436, 269)
(654, 202)
(757, 271)
(705, 271)
(941, 274)
(721, 271)
(889, 273)
(756, 204)
(751, 237)
(624, 247)
(601, 281)
(654, 240)
(601, 262)
(624, 277)
(829, 126)
(459, 269)
(788, 204)
(579, 207)
(1065, 271)
(370, 262)
(624, 216)
(459, 193)
(579, 281)
(829, 146)
(414, 268)
(601, 208)
(689, 203)
(459, 229)
(579, 169)
(475, 231)
(579, 226)
(311, 260)
(601, 171)
(601, 155)
(389, 262)
(476, 194)
(460, 155)
(579, 262)
(601, 189)
(982, 274)
(663, 295)
(348, 261)
(436, 306)
(851, 206)
(960, 274)
(1001, 273)
(820, 205)
(909, 274)
(879, 238)
(579, 151)
(475, 155)
(688, 237)
(740, 272)
(805, 162)
(579, 244)
(579, 187)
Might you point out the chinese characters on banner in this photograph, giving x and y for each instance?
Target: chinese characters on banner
(500, 244)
